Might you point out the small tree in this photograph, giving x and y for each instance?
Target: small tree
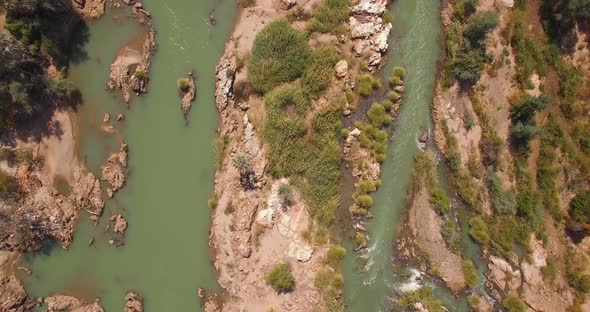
(183, 84)
(286, 195)
(580, 207)
(280, 278)
(243, 164)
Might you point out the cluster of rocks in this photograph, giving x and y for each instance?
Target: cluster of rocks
(42, 212)
(72, 304)
(368, 30)
(130, 70)
(114, 170)
(188, 95)
(89, 8)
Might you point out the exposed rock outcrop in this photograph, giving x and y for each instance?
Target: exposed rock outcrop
(120, 224)
(71, 304)
(130, 70)
(188, 95)
(368, 31)
(133, 302)
(114, 171)
(89, 8)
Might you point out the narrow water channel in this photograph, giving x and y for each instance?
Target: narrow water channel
(370, 282)
(166, 257)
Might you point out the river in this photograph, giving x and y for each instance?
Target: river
(166, 257)
(370, 281)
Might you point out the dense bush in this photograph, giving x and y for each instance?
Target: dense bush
(580, 207)
(8, 185)
(305, 146)
(479, 27)
(335, 254)
(25, 91)
(280, 278)
(367, 84)
(504, 201)
(469, 63)
(318, 75)
(578, 280)
(440, 200)
(329, 284)
(378, 117)
(329, 16)
(469, 273)
(425, 296)
(280, 54)
(479, 230)
(51, 28)
(522, 114)
(514, 304)
(561, 16)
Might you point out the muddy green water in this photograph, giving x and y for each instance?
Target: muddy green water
(166, 257)
(370, 282)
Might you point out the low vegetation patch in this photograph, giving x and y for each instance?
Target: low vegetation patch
(280, 278)
(329, 16)
(280, 54)
(469, 273)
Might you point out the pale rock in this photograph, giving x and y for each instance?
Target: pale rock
(106, 118)
(299, 252)
(364, 27)
(133, 302)
(120, 224)
(287, 4)
(341, 69)
(375, 59)
(359, 47)
(380, 40)
(507, 3)
(375, 7)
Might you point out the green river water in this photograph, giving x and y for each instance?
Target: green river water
(166, 257)
(370, 281)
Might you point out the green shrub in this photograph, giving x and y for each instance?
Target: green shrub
(522, 114)
(280, 54)
(394, 81)
(8, 185)
(229, 208)
(286, 194)
(504, 201)
(360, 239)
(280, 278)
(212, 202)
(440, 200)
(378, 116)
(368, 83)
(329, 285)
(393, 96)
(469, 63)
(399, 72)
(451, 234)
(183, 84)
(329, 16)
(425, 296)
(335, 254)
(387, 104)
(344, 133)
(365, 187)
(479, 231)
(479, 27)
(469, 273)
(364, 201)
(318, 75)
(579, 281)
(514, 304)
(580, 207)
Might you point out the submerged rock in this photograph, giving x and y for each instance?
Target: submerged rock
(120, 224)
(71, 304)
(133, 302)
